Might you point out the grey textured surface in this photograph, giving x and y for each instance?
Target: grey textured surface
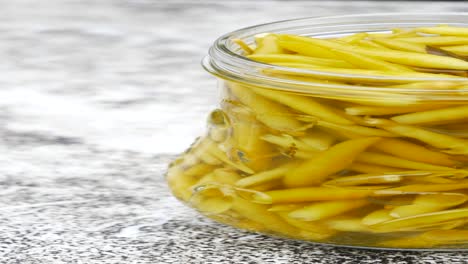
(96, 98)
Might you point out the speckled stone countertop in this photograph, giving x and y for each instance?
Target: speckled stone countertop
(96, 98)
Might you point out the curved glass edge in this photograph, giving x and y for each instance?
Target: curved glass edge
(226, 62)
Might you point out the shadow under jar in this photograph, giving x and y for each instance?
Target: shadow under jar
(366, 160)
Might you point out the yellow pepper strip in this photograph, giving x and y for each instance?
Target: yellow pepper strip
(259, 214)
(182, 161)
(391, 161)
(271, 114)
(446, 236)
(235, 111)
(288, 145)
(405, 34)
(412, 222)
(364, 72)
(371, 178)
(341, 135)
(399, 57)
(208, 158)
(246, 135)
(309, 226)
(383, 110)
(348, 225)
(443, 177)
(309, 230)
(286, 207)
(433, 85)
(462, 89)
(438, 40)
(257, 161)
(318, 139)
(444, 225)
(453, 224)
(264, 176)
(267, 44)
(275, 58)
(396, 32)
(226, 176)
(200, 152)
(461, 73)
(461, 49)
(370, 44)
(439, 116)
(300, 154)
(322, 210)
(369, 187)
(461, 158)
(180, 183)
(214, 150)
(455, 127)
(360, 120)
(305, 49)
(182, 189)
(390, 100)
(332, 160)
(211, 200)
(198, 170)
(453, 144)
(309, 194)
(435, 179)
(272, 185)
(208, 178)
(444, 30)
(366, 62)
(428, 203)
(405, 149)
(370, 168)
(421, 188)
(243, 46)
(245, 142)
(394, 201)
(288, 142)
(313, 236)
(355, 129)
(372, 98)
(304, 104)
(401, 45)
(353, 38)
(377, 216)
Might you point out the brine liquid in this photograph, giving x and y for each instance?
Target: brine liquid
(385, 173)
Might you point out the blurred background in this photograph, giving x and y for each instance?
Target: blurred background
(96, 99)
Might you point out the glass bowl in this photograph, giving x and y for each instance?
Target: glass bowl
(337, 158)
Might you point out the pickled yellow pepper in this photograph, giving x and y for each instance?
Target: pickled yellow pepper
(334, 159)
(367, 142)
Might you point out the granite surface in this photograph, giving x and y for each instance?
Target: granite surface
(96, 98)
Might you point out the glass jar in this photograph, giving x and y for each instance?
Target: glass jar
(332, 158)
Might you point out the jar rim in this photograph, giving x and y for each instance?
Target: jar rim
(225, 60)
